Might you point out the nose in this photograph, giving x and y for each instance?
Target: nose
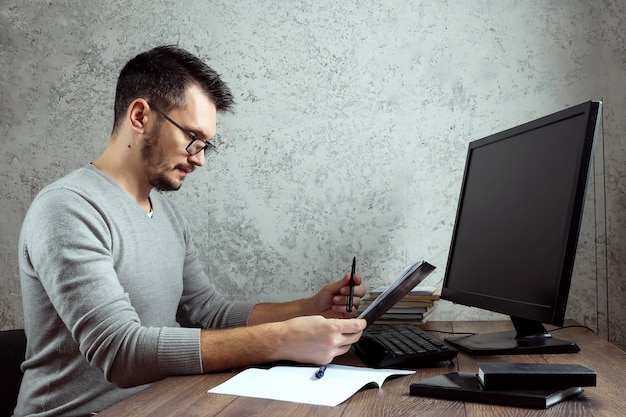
(197, 159)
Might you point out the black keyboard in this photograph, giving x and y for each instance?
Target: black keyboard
(401, 346)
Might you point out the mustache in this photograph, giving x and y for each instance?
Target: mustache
(185, 167)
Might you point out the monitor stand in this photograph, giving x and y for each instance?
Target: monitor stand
(529, 337)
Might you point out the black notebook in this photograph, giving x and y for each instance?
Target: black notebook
(503, 375)
(405, 282)
(465, 386)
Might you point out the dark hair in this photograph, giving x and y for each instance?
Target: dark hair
(162, 75)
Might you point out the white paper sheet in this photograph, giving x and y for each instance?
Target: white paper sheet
(299, 384)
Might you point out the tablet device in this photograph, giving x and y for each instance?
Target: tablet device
(409, 278)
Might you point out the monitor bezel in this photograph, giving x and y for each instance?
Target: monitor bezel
(554, 314)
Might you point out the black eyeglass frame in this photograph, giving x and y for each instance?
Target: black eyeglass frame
(207, 146)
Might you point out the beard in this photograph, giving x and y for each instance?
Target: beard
(156, 167)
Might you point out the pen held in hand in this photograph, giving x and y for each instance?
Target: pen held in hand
(320, 372)
(351, 296)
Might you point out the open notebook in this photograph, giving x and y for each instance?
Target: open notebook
(299, 383)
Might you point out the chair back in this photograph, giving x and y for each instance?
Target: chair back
(12, 351)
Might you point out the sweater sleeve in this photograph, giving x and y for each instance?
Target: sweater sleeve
(67, 247)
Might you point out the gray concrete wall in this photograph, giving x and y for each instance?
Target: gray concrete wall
(350, 134)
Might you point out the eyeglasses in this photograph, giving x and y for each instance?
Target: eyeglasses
(196, 145)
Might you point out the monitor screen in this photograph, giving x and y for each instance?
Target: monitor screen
(517, 227)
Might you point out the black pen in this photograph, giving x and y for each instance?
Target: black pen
(320, 372)
(351, 296)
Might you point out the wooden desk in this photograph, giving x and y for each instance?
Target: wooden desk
(187, 395)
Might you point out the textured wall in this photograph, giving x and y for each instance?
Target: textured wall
(350, 133)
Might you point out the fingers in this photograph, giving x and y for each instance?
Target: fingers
(357, 279)
(339, 307)
(344, 292)
(343, 287)
(349, 332)
(314, 339)
(332, 300)
(352, 326)
(340, 301)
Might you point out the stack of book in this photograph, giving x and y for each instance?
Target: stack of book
(414, 308)
(529, 385)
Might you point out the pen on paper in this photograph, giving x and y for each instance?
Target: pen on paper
(320, 372)
(351, 296)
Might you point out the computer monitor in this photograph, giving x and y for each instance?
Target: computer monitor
(517, 226)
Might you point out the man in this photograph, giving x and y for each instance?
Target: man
(108, 269)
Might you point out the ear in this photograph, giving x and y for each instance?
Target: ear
(137, 115)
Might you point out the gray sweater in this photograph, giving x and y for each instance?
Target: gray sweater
(103, 285)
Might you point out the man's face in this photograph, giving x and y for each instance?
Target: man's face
(159, 170)
(166, 161)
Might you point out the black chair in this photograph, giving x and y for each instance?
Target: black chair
(12, 351)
